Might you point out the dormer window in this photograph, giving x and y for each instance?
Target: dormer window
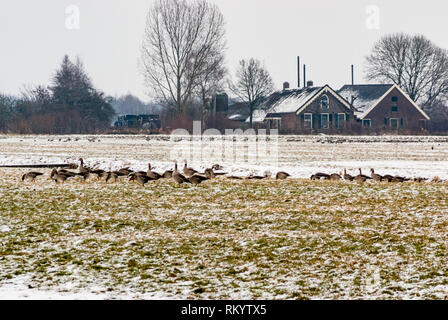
(324, 102)
(394, 99)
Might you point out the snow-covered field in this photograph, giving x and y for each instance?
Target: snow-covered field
(225, 239)
(300, 156)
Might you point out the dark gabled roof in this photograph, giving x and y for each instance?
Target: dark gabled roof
(367, 95)
(285, 101)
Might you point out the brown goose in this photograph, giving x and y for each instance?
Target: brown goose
(142, 179)
(320, 175)
(347, 176)
(133, 175)
(235, 178)
(282, 175)
(177, 177)
(335, 177)
(375, 176)
(364, 176)
(168, 174)
(388, 178)
(252, 177)
(197, 179)
(111, 175)
(58, 178)
(217, 167)
(210, 174)
(31, 176)
(399, 179)
(152, 174)
(360, 178)
(188, 172)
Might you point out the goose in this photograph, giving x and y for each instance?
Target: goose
(111, 176)
(364, 176)
(235, 178)
(133, 175)
(375, 176)
(252, 177)
(142, 179)
(321, 175)
(152, 174)
(168, 174)
(31, 176)
(360, 178)
(419, 179)
(197, 179)
(347, 176)
(58, 178)
(209, 173)
(399, 179)
(67, 173)
(335, 177)
(124, 172)
(217, 167)
(388, 178)
(177, 177)
(83, 169)
(282, 175)
(188, 172)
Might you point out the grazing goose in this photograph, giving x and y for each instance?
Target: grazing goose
(168, 174)
(347, 176)
(420, 180)
(335, 177)
(235, 178)
(133, 175)
(152, 174)
(142, 179)
(282, 175)
(111, 175)
(58, 178)
(375, 176)
(188, 172)
(399, 179)
(197, 179)
(265, 176)
(320, 175)
(177, 177)
(67, 173)
(388, 178)
(124, 172)
(31, 176)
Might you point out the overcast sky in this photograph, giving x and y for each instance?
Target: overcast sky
(328, 35)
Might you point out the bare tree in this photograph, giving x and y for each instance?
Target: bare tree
(180, 36)
(210, 81)
(412, 62)
(253, 82)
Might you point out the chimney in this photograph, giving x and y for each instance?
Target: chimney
(309, 84)
(298, 72)
(353, 75)
(304, 76)
(285, 85)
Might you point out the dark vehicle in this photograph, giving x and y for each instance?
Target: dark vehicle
(143, 121)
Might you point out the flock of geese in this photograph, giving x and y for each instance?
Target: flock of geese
(192, 176)
(188, 175)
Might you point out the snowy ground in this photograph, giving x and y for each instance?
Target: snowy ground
(300, 156)
(294, 239)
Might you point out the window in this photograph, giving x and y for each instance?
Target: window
(394, 109)
(324, 117)
(394, 99)
(386, 121)
(394, 123)
(324, 102)
(340, 120)
(366, 123)
(308, 121)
